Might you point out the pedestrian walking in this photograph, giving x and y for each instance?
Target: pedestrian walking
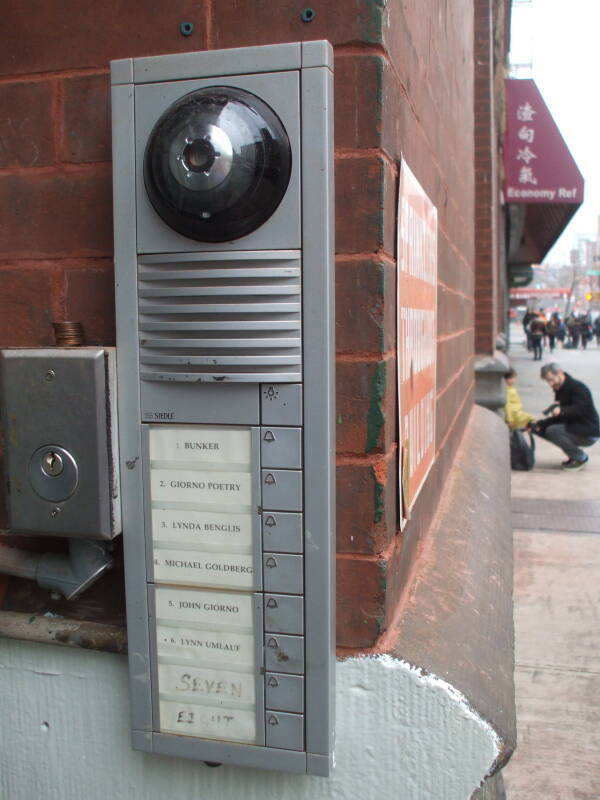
(562, 332)
(573, 331)
(597, 329)
(537, 330)
(572, 421)
(528, 316)
(552, 329)
(585, 330)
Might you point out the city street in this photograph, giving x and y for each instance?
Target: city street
(556, 520)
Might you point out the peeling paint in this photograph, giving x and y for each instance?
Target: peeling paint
(371, 19)
(417, 737)
(379, 472)
(375, 415)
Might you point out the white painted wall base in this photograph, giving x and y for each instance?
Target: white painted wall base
(64, 735)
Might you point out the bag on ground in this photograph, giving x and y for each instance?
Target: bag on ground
(522, 452)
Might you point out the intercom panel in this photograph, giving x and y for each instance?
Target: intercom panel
(223, 197)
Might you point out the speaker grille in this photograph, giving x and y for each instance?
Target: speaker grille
(220, 317)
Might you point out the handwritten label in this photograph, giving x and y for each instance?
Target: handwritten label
(201, 527)
(195, 684)
(195, 486)
(204, 569)
(189, 645)
(200, 443)
(193, 607)
(234, 725)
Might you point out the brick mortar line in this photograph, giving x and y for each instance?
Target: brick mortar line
(454, 291)
(346, 459)
(209, 9)
(365, 356)
(56, 113)
(70, 263)
(360, 49)
(372, 256)
(361, 154)
(60, 168)
(448, 336)
(40, 77)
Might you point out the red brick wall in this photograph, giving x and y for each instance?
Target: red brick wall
(404, 85)
(490, 278)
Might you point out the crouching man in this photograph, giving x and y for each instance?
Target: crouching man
(573, 420)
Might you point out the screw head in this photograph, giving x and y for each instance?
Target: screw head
(55, 512)
(50, 375)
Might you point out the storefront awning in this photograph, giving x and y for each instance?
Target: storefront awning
(543, 187)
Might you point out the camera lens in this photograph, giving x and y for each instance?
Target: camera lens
(217, 164)
(199, 155)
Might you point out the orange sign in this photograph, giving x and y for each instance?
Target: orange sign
(417, 335)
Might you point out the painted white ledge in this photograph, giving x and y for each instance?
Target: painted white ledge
(64, 734)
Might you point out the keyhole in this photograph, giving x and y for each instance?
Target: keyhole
(52, 464)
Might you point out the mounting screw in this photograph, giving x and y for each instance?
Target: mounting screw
(308, 15)
(50, 375)
(186, 28)
(55, 511)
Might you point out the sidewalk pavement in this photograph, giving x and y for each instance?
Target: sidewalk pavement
(556, 520)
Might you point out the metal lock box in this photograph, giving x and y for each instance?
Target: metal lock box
(60, 427)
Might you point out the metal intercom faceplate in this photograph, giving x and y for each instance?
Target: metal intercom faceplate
(224, 292)
(60, 423)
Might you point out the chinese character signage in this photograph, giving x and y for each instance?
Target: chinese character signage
(538, 165)
(417, 335)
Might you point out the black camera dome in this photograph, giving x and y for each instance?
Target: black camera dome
(217, 164)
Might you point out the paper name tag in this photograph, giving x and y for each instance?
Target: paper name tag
(196, 684)
(201, 527)
(227, 609)
(194, 486)
(189, 645)
(235, 725)
(204, 569)
(200, 443)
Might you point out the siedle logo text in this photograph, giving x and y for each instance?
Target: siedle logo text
(160, 416)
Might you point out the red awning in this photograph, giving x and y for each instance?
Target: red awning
(543, 186)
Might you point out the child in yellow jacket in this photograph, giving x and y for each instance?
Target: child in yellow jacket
(516, 418)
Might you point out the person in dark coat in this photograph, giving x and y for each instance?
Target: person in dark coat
(573, 420)
(552, 329)
(597, 329)
(529, 315)
(585, 330)
(537, 330)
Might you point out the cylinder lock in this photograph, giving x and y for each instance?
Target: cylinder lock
(53, 473)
